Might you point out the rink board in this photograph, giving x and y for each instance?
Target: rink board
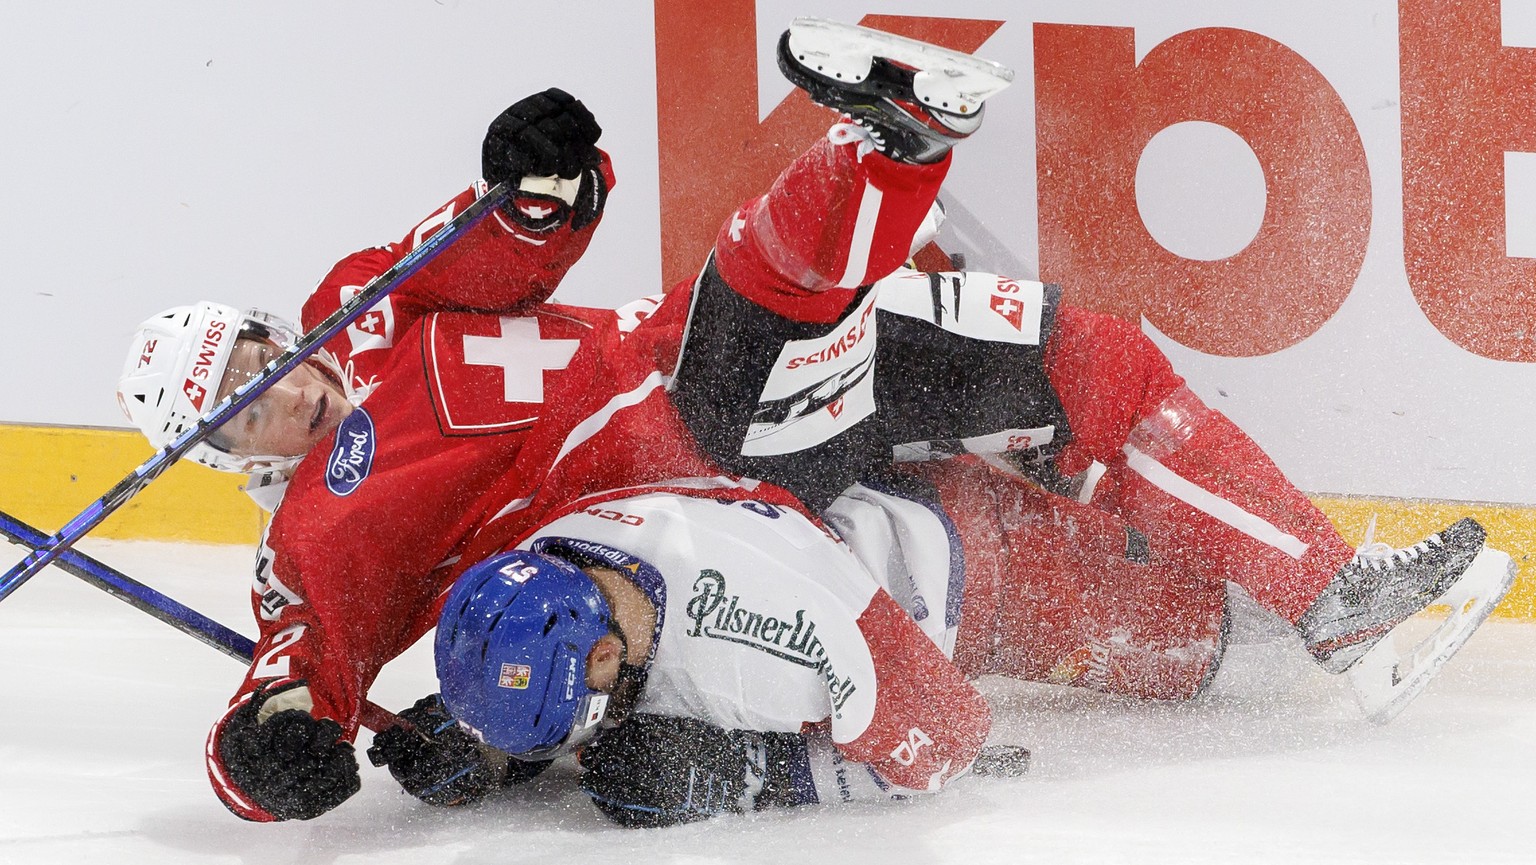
(49, 474)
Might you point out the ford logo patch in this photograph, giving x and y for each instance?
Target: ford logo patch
(352, 456)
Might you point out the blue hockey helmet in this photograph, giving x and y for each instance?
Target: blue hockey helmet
(511, 648)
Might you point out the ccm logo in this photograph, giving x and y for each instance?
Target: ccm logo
(626, 519)
(906, 752)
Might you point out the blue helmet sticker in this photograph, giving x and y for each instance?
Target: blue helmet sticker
(352, 456)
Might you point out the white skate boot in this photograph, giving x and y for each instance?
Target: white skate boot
(915, 99)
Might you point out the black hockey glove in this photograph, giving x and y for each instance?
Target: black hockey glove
(549, 133)
(656, 770)
(544, 135)
(294, 766)
(439, 763)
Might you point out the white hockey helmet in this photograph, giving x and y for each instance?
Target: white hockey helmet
(175, 365)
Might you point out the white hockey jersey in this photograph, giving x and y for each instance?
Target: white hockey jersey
(767, 621)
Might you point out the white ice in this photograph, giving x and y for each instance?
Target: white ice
(105, 712)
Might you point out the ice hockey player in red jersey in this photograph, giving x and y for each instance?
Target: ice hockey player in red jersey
(400, 444)
(781, 379)
(811, 363)
(292, 763)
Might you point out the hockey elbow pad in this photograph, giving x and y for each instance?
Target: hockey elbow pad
(290, 765)
(437, 762)
(656, 770)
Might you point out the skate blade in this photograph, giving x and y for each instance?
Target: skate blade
(1388, 677)
(947, 80)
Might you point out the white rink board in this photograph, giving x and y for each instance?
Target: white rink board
(102, 734)
(164, 151)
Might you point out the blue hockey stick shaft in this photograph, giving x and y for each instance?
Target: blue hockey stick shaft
(125, 588)
(247, 393)
(161, 606)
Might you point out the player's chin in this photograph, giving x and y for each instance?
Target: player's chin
(321, 433)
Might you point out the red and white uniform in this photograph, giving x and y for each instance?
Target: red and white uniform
(1089, 391)
(1054, 599)
(456, 366)
(351, 578)
(869, 628)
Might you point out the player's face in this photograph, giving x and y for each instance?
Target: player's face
(291, 416)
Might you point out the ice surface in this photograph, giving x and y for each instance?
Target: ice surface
(105, 712)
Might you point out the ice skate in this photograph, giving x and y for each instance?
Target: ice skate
(1380, 588)
(1397, 668)
(915, 99)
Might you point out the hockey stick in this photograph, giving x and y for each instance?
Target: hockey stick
(247, 393)
(134, 593)
(160, 606)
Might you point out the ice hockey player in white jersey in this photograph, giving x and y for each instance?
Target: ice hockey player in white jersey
(669, 608)
(737, 654)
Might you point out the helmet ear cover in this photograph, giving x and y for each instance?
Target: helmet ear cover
(511, 652)
(626, 690)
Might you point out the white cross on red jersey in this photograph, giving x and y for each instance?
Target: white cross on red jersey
(469, 355)
(522, 356)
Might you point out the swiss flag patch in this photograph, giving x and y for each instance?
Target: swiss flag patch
(371, 322)
(487, 374)
(1010, 309)
(535, 210)
(195, 393)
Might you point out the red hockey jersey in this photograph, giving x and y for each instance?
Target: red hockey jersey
(455, 368)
